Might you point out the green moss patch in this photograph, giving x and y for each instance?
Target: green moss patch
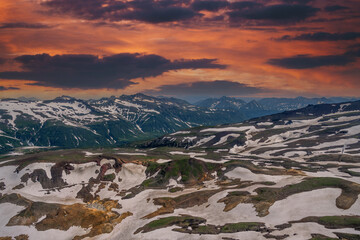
(267, 196)
(335, 222)
(196, 225)
(170, 221)
(109, 177)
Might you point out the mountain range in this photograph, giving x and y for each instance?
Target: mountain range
(290, 175)
(266, 106)
(313, 130)
(67, 122)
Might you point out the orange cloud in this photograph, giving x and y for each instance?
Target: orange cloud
(245, 50)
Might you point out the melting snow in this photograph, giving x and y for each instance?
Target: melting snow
(225, 138)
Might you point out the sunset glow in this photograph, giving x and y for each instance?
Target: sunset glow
(261, 48)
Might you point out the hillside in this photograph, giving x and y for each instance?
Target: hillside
(316, 129)
(69, 122)
(293, 175)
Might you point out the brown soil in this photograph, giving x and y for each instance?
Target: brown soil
(22, 237)
(334, 222)
(261, 170)
(20, 186)
(96, 216)
(235, 198)
(266, 197)
(114, 187)
(196, 225)
(183, 201)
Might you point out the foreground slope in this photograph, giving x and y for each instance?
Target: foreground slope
(316, 129)
(293, 175)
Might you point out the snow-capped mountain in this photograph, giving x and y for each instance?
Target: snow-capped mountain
(266, 106)
(250, 110)
(222, 103)
(295, 172)
(70, 122)
(310, 131)
(287, 104)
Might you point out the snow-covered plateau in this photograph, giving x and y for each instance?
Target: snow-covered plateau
(293, 175)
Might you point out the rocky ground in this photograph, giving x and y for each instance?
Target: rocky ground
(298, 178)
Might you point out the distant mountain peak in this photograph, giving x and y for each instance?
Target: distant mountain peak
(64, 98)
(28, 99)
(228, 103)
(69, 122)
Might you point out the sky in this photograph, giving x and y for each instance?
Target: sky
(181, 48)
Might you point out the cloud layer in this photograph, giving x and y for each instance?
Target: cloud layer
(334, 8)
(2, 88)
(162, 11)
(307, 61)
(278, 14)
(90, 72)
(265, 44)
(322, 36)
(23, 25)
(206, 88)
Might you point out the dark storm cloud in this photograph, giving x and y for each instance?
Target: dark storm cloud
(322, 36)
(162, 11)
(159, 15)
(196, 63)
(87, 9)
(91, 72)
(334, 8)
(279, 14)
(2, 60)
(245, 5)
(23, 25)
(215, 18)
(2, 88)
(354, 53)
(302, 29)
(208, 5)
(307, 61)
(298, 1)
(209, 88)
(142, 10)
